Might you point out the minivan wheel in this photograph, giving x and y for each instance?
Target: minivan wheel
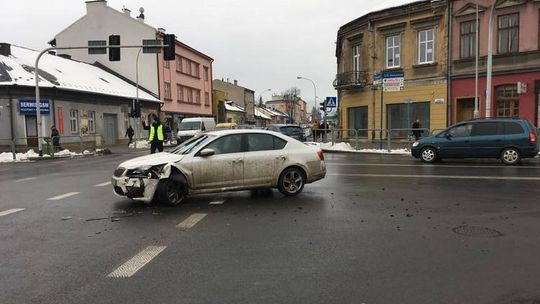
(291, 181)
(172, 191)
(428, 154)
(510, 156)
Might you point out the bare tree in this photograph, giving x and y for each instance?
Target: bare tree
(291, 98)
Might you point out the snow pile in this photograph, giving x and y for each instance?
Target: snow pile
(140, 144)
(7, 157)
(346, 147)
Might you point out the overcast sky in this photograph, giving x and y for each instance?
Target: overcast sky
(264, 44)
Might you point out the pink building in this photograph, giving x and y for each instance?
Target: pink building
(516, 59)
(185, 84)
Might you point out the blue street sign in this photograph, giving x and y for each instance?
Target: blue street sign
(377, 76)
(28, 106)
(393, 74)
(331, 102)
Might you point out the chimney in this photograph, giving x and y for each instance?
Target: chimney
(93, 6)
(141, 15)
(235, 82)
(5, 49)
(126, 11)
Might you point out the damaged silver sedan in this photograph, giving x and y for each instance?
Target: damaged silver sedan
(221, 161)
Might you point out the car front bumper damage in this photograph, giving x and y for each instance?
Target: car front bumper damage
(136, 188)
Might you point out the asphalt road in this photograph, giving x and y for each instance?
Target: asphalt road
(377, 229)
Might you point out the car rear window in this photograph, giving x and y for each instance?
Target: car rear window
(512, 128)
(290, 130)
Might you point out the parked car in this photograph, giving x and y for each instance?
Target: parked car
(192, 126)
(221, 161)
(294, 131)
(507, 139)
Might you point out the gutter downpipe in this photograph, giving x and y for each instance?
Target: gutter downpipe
(489, 60)
(449, 65)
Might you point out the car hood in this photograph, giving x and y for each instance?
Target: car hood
(151, 160)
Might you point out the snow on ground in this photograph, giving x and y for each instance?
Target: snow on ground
(7, 157)
(346, 147)
(144, 144)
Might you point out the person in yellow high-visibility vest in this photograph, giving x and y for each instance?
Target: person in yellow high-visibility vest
(156, 135)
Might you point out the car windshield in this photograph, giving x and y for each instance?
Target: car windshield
(193, 143)
(190, 125)
(288, 130)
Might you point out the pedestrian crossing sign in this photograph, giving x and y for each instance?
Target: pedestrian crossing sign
(331, 102)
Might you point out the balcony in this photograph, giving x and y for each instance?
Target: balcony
(351, 80)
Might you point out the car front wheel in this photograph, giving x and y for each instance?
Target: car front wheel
(510, 156)
(428, 154)
(291, 181)
(172, 191)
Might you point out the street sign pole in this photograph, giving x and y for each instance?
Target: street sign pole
(382, 104)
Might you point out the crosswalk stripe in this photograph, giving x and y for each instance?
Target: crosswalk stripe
(217, 202)
(59, 197)
(103, 184)
(137, 262)
(191, 221)
(10, 211)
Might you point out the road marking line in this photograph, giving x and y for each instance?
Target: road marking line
(439, 176)
(217, 202)
(59, 197)
(137, 262)
(24, 179)
(429, 166)
(191, 221)
(103, 184)
(10, 211)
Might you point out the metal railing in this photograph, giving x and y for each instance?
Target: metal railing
(374, 138)
(75, 143)
(355, 78)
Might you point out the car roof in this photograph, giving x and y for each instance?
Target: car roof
(284, 125)
(241, 131)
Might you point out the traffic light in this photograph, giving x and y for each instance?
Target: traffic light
(323, 106)
(135, 109)
(169, 52)
(114, 52)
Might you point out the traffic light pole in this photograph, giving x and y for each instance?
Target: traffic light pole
(40, 130)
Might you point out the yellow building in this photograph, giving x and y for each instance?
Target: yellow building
(406, 44)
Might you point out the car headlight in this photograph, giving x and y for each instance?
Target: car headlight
(146, 171)
(415, 144)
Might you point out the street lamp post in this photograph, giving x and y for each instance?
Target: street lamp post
(315, 101)
(260, 95)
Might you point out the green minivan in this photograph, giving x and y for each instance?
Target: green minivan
(508, 139)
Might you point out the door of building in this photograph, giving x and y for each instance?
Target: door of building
(358, 120)
(465, 109)
(31, 130)
(110, 129)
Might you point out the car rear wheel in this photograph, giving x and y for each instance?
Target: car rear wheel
(510, 156)
(172, 191)
(291, 181)
(428, 154)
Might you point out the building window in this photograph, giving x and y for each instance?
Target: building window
(179, 93)
(508, 33)
(356, 58)
(206, 98)
(401, 116)
(167, 90)
(74, 121)
(195, 70)
(393, 51)
(468, 39)
(189, 95)
(178, 61)
(425, 46)
(91, 122)
(507, 101)
(196, 96)
(206, 74)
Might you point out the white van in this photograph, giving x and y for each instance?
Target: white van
(192, 126)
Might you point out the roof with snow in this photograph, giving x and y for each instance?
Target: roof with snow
(260, 113)
(57, 72)
(232, 107)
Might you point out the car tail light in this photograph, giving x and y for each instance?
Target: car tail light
(532, 138)
(320, 155)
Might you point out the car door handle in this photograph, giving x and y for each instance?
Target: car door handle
(283, 157)
(235, 161)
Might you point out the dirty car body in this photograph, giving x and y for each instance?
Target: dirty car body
(220, 161)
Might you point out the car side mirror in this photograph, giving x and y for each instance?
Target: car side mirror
(206, 152)
(447, 135)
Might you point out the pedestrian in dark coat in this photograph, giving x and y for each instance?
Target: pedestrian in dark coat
(55, 135)
(129, 133)
(416, 129)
